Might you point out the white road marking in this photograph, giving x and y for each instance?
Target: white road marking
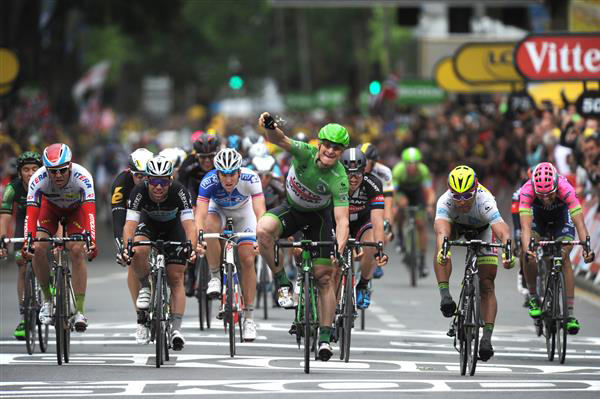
(517, 385)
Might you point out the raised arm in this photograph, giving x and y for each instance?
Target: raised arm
(276, 135)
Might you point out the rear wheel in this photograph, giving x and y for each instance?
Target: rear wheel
(412, 255)
(549, 324)
(473, 325)
(158, 323)
(229, 311)
(348, 315)
(59, 314)
(68, 313)
(562, 315)
(30, 306)
(307, 322)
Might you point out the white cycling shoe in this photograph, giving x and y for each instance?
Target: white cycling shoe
(143, 299)
(214, 287)
(45, 315)
(142, 334)
(249, 332)
(80, 322)
(177, 340)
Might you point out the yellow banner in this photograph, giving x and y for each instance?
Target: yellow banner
(447, 80)
(484, 63)
(551, 91)
(10, 66)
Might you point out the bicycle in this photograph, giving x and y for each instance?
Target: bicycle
(204, 302)
(306, 321)
(346, 307)
(554, 305)
(64, 297)
(264, 285)
(467, 320)
(158, 316)
(411, 256)
(232, 301)
(32, 303)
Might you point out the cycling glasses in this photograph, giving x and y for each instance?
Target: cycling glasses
(61, 171)
(159, 181)
(334, 146)
(354, 174)
(464, 196)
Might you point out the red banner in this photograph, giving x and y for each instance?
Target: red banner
(559, 57)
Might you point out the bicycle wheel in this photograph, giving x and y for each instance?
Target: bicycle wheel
(158, 324)
(229, 311)
(59, 314)
(562, 315)
(167, 321)
(473, 326)
(412, 256)
(201, 284)
(461, 332)
(307, 321)
(263, 288)
(30, 307)
(547, 314)
(42, 329)
(67, 316)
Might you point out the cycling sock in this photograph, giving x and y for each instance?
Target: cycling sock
(145, 282)
(324, 334)
(215, 274)
(249, 312)
(487, 330)
(363, 283)
(282, 278)
(444, 289)
(176, 320)
(79, 300)
(570, 305)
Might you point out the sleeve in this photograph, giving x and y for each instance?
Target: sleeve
(185, 205)
(397, 173)
(339, 190)
(135, 202)
(206, 188)
(89, 209)
(255, 186)
(34, 197)
(442, 209)
(183, 173)
(426, 176)
(86, 182)
(8, 199)
(118, 203)
(385, 176)
(302, 151)
(566, 193)
(374, 192)
(489, 210)
(526, 198)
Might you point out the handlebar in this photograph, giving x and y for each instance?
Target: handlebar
(225, 235)
(561, 243)
(475, 244)
(352, 243)
(56, 241)
(158, 244)
(304, 244)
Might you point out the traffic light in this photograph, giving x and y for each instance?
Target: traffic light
(236, 82)
(374, 87)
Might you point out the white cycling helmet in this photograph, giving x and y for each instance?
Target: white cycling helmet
(175, 155)
(264, 164)
(159, 166)
(228, 160)
(258, 150)
(138, 160)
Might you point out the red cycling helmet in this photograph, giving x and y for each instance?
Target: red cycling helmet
(207, 144)
(544, 178)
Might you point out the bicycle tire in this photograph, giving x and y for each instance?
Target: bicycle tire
(167, 322)
(68, 315)
(561, 311)
(549, 325)
(158, 323)
(307, 321)
(42, 329)
(29, 309)
(229, 312)
(348, 315)
(59, 314)
(362, 319)
(474, 326)
(460, 331)
(412, 256)
(264, 288)
(202, 283)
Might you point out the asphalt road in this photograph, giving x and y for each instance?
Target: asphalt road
(403, 351)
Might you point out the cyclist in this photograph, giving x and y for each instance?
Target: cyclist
(231, 191)
(176, 155)
(316, 181)
(61, 189)
(548, 207)
(384, 174)
(14, 201)
(366, 218)
(199, 163)
(121, 190)
(260, 151)
(412, 181)
(285, 158)
(468, 208)
(273, 188)
(160, 208)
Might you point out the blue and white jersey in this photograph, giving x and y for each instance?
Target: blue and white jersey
(248, 186)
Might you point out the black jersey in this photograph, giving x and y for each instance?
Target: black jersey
(368, 196)
(177, 204)
(190, 174)
(120, 192)
(15, 194)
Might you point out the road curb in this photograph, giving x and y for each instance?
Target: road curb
(588, 285)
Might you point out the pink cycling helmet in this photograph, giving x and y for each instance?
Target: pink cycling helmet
(544, 178)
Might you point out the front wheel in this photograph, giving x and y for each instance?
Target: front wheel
(348, 312)
(30, 310)
(158, 324)
(474, 318)
(229, 311)
(59, 314)
(549, 324)
(562, 316)
(307, 321)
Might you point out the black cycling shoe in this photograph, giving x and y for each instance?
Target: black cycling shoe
(485, 349)
(448, 306)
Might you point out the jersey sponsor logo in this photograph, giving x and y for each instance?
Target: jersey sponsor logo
(136, 202)
(356, 208)
(372, 184)
(321, 189)
(117, 195)
(302, 191)
(252, 178)
(184, 198)
(90, 196)
(207, 182)
(378, 198)
(37, 179)
(83, 178)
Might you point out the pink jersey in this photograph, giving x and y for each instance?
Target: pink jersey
(565, 196)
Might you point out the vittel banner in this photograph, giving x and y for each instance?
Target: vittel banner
(563, 56)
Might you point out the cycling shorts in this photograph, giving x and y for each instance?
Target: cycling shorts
(414, 195)
(50, 216)
(244, 219)
(558, 226)
(485, 256)
(172, 231)
(316, 226)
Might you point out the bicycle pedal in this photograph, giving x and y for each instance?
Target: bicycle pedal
(451, 332)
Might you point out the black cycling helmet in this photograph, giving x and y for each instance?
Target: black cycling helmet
(353, 160)
(29, 157)
(207, 144)
(370, 151)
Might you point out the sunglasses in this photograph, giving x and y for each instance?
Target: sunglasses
(61, 171)
(333, 146)
(355, 174)
(157, 181)
(138, 175)
(463, 196)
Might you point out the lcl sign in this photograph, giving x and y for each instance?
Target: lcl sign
(559, 56)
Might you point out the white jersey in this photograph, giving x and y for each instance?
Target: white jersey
(385, 175)
(483, 212)
(248, 186)
(79, 188)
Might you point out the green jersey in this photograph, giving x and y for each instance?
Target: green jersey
(14, 193)
(310, 188)
(402, 179)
